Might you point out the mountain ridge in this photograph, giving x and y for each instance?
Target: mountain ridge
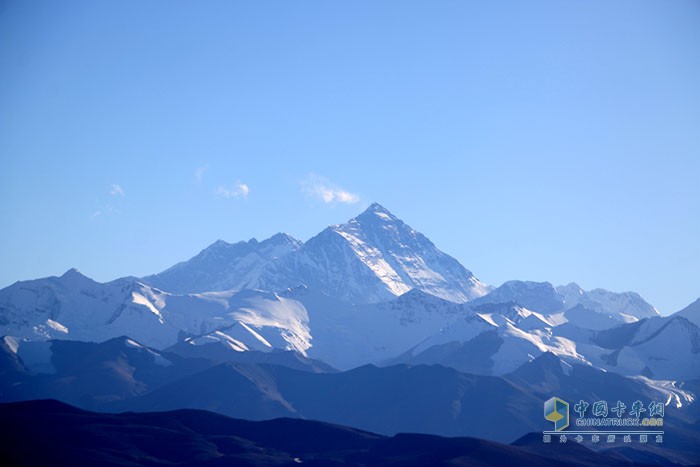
(370, 290)
(371, 258)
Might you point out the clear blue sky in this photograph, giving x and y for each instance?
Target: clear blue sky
(541, 140)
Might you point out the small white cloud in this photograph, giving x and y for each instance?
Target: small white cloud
(238, 190)
(319, 187)
(199, 173)
(116, 190)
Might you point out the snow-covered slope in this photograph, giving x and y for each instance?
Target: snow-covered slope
(302, 320)
(494, 339)
(490, 338)
(257, 320)
(368, 291)
(75, 307)
(372, 258)
(225, 266)
(346, 336)
(221, 346)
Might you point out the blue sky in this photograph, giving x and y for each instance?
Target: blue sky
(537, 140)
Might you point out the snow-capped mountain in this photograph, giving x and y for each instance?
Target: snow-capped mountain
(372, 290)
(346, 335)
(665, 348)
(540, 296)
(595, 309)
(495, 339)
(75, 307)
(628, 306)
(302, 320)
(373, 258)
(225, 266)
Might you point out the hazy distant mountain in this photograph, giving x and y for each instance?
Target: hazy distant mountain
(585, 318)
(225, 266)
(539, 296)
(691, 312)
(89, 374)
(121, 374)
(94, 374)
(628, 306)
(612, 308)
(234, 389)
(427, 399)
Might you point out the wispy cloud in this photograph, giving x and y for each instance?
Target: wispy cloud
(116, 190)
(104, 211)
(199, 173)
(319, 187)
(238, 190)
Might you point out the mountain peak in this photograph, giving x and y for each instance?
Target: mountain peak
(74, 274)
(377, 210)
(572, 287)
(74, 278)
(376, 257)
(282, 238)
